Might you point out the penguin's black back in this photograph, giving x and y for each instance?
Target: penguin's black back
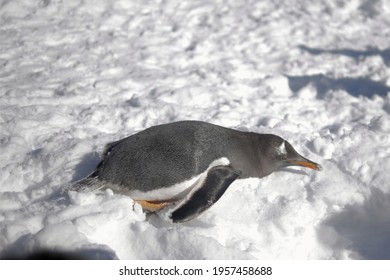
(164, 155)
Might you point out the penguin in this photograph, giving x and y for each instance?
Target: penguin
(187, 165)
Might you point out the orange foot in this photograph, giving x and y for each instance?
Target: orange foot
(153, 206)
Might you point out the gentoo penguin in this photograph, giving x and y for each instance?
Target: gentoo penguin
(187, 165)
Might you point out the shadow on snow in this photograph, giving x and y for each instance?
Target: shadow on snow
(18, 251)
(86, 166)
(361, 228)
(354, 86)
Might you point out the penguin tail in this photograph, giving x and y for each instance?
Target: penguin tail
(88, 184)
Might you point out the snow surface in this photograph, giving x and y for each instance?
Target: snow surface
(77, 74)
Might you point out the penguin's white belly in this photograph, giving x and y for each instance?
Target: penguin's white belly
(177, 191)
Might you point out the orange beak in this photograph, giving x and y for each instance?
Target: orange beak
(308, 164)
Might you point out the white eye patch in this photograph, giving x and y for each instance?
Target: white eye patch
(281, 150)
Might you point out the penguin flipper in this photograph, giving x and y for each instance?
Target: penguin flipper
(217, 181)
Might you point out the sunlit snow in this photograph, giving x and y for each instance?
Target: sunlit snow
(75, 75)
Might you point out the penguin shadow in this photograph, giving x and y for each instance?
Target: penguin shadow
(59, 196)
(86, 166)
(363, 228)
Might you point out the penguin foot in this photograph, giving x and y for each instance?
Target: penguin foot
(217, 181)
(153, 206)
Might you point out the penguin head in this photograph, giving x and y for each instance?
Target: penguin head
(279, 153)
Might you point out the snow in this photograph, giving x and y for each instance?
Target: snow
(75, 75)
